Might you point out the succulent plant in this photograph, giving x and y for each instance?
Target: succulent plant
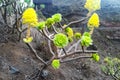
(56, 63)
(69, 31)
(57, 17)
(77, 35)
(93, 21)
(49, 22)
(95, 57)
(41, 25)
(86, 39)
(60, 40)
(28, 40)
(29, 16)
(92, 5)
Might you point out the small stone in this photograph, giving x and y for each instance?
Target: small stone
(13, 70)
(44, 73)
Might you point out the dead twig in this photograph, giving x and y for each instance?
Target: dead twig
(74, 22)
(68, 60)
(55, 29)
(34, 51)
(49, 45)
(77, 52)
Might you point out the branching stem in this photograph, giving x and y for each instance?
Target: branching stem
(34, 51)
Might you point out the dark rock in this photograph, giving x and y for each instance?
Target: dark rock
(42, 1)
(92, 47)
(13, 70)
(44, 73)
(109, 9)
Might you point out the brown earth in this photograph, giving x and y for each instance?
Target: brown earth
(18, 56)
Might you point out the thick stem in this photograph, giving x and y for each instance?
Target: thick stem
(34, 51)
(64, 51)
(91, 31)
(28, 32)
(49, 45)
(77, 52)
(46, 35)
(77, 21)
(80, 57)
(74, 45)
(55, 29)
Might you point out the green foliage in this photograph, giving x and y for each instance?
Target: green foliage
(28, 40)
(27, 1)
(42, 6)
(56, 64)
(69, 32)
(111, 67)
(41, 25)
(77, 35)
(70, 39)
(32, 5)
(49, 22)
(95, 57)
(87, 34)
(86, 39)
(60, 40)
(57, 17)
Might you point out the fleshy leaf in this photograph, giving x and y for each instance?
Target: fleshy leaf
(93, 5)
(49, 22)
(41, 25)
(27, 1)
(95, 57)
(29, 16)
(60, 40)
(42, 6)
(77, 35)
(28, 40)
(57, 17)
(86, 39)
(70, 39)
(69, 31)
(93, 21)
(56, 64)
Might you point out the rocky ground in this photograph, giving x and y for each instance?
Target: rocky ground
(17, 62)
(108, 13)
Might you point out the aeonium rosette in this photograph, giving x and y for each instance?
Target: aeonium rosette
(86, 39)
(92, 5)
(29, 17)
(60, 40)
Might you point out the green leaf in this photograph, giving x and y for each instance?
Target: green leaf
(104, 69)
(27, 1)
(86, 39)
(57, 17)
(60, 40)
(112, 72)
(56, 64)
(87, 34)
(42, 6)
(77, 35)
(49, 22)
(70, 39)
(28, 40)
(69, 32)
(31, 5)
(106, 60)
(95, 57)
(41, 25)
